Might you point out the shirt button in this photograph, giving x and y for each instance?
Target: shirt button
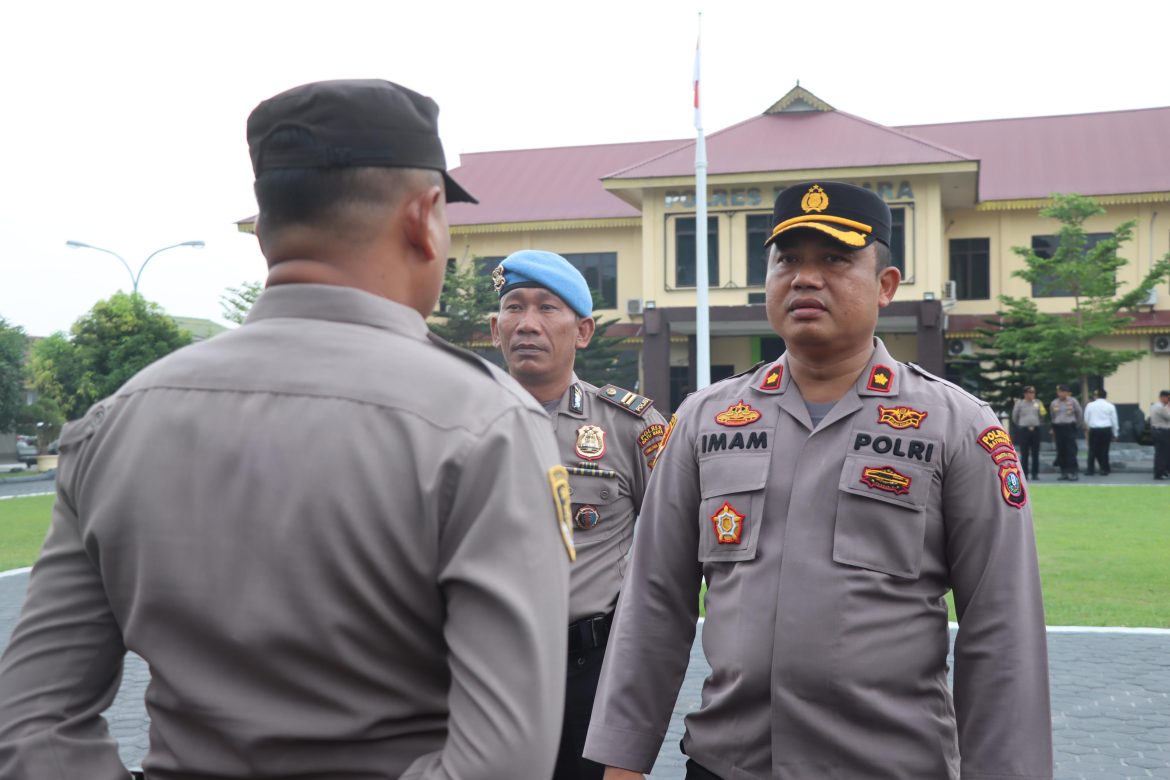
(605, 494)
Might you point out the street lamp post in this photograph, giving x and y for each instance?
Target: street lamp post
(134, 277)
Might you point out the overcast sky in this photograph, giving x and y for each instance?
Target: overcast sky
(122, 123)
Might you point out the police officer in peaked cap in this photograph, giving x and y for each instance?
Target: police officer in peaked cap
(830, 499)
(333, 567)
(607, 438)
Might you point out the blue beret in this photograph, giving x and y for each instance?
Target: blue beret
(534, 268)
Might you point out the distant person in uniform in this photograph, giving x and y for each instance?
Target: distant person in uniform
(333, 537)
(1101, 420)
(1068, 418)
(608, 439)
(1160, 430)
(1027, 417)
(831, 499)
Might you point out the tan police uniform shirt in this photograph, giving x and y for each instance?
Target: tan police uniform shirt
(827, 554)
(334, 542)
(608, 439)
(1028, 414)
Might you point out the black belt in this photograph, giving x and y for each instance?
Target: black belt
(589, 633)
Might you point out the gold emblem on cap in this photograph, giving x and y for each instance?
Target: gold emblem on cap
(815, 199)
(498, 277)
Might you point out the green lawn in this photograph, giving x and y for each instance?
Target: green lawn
(1104, 551)
(23, 524)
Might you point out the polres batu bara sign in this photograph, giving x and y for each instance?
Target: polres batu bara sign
(752, 196)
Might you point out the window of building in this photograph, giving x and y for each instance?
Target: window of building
(971, 268)
(759, 227)
(685, 251)
(1046, 246)
(898, 238)
(600, 272)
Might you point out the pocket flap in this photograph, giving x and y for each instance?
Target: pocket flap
(724, 474)
(886, 479)
(592, 490)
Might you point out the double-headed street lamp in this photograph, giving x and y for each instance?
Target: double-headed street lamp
(134, 277)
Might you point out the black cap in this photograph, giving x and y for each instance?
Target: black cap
(355, 123)
(852, 215)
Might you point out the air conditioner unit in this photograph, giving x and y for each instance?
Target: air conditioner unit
(1151, 299)
(633, 306)
(950, 290)
(1160, 345)
(961, 348)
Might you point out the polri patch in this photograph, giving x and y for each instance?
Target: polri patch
(728, 524)
(900, 417)
(773, 377)
(587, 517)
(998, 444)
(590, 442)
(558, 480)
(1011, 484)
(885, 478)
(737, 415)
(880, 379)
(662, 444)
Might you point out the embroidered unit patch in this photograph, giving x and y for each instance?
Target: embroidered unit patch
(558, 480)
(773, 377)
(651, 434)
(900, 417)
(728, 524)
(662, 444)
(880, 379)
(1011, 484)
(886, 478)
(995, 438)
(737, 414)
(590, 442)
(587, 517)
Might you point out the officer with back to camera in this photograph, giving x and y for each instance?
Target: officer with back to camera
(333, 537)
(608, 438)
(831, 499)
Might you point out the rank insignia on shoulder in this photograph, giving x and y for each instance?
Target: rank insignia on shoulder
(900, 417)
(631, 402)
(737, 415)
(886, 478)
(590, 442)
(587, 517)
(773, 377)
(881, 378)
(728, 524)
(558, 480)
(1011, 484)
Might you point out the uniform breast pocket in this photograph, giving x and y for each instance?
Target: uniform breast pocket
(598, 508)
(732, 506)
(881, 515)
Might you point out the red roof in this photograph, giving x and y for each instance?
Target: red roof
(1109, 153)
(794, 141)
(528, 185)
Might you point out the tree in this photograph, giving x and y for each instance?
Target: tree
(13, 343)
(236, 302)
(1054, 347)
(114, 341)
(465, 303)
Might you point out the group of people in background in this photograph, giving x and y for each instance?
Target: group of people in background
(1069, 419)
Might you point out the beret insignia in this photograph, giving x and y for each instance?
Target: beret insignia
(498, 277)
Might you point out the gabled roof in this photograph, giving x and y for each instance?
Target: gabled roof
(532, 185)
(1110, 153)
(796, 140)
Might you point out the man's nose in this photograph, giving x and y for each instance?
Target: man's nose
(528, 322)
(807, 275)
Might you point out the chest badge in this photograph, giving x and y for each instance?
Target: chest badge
(590, 442)
(728, 524)
(737, 415)
(587, 517)
(900, 417)
(880, 379)
(886, 478)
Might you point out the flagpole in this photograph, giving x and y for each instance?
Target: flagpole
(702, 317)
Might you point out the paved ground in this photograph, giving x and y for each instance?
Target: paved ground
(1110, 699)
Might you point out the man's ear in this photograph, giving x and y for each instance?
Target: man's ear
(585, 329)
(423, 224)
(494, 323)
(888, 281)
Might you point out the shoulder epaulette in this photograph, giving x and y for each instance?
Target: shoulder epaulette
(946, 383)
(630, 401)
(460, 352)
